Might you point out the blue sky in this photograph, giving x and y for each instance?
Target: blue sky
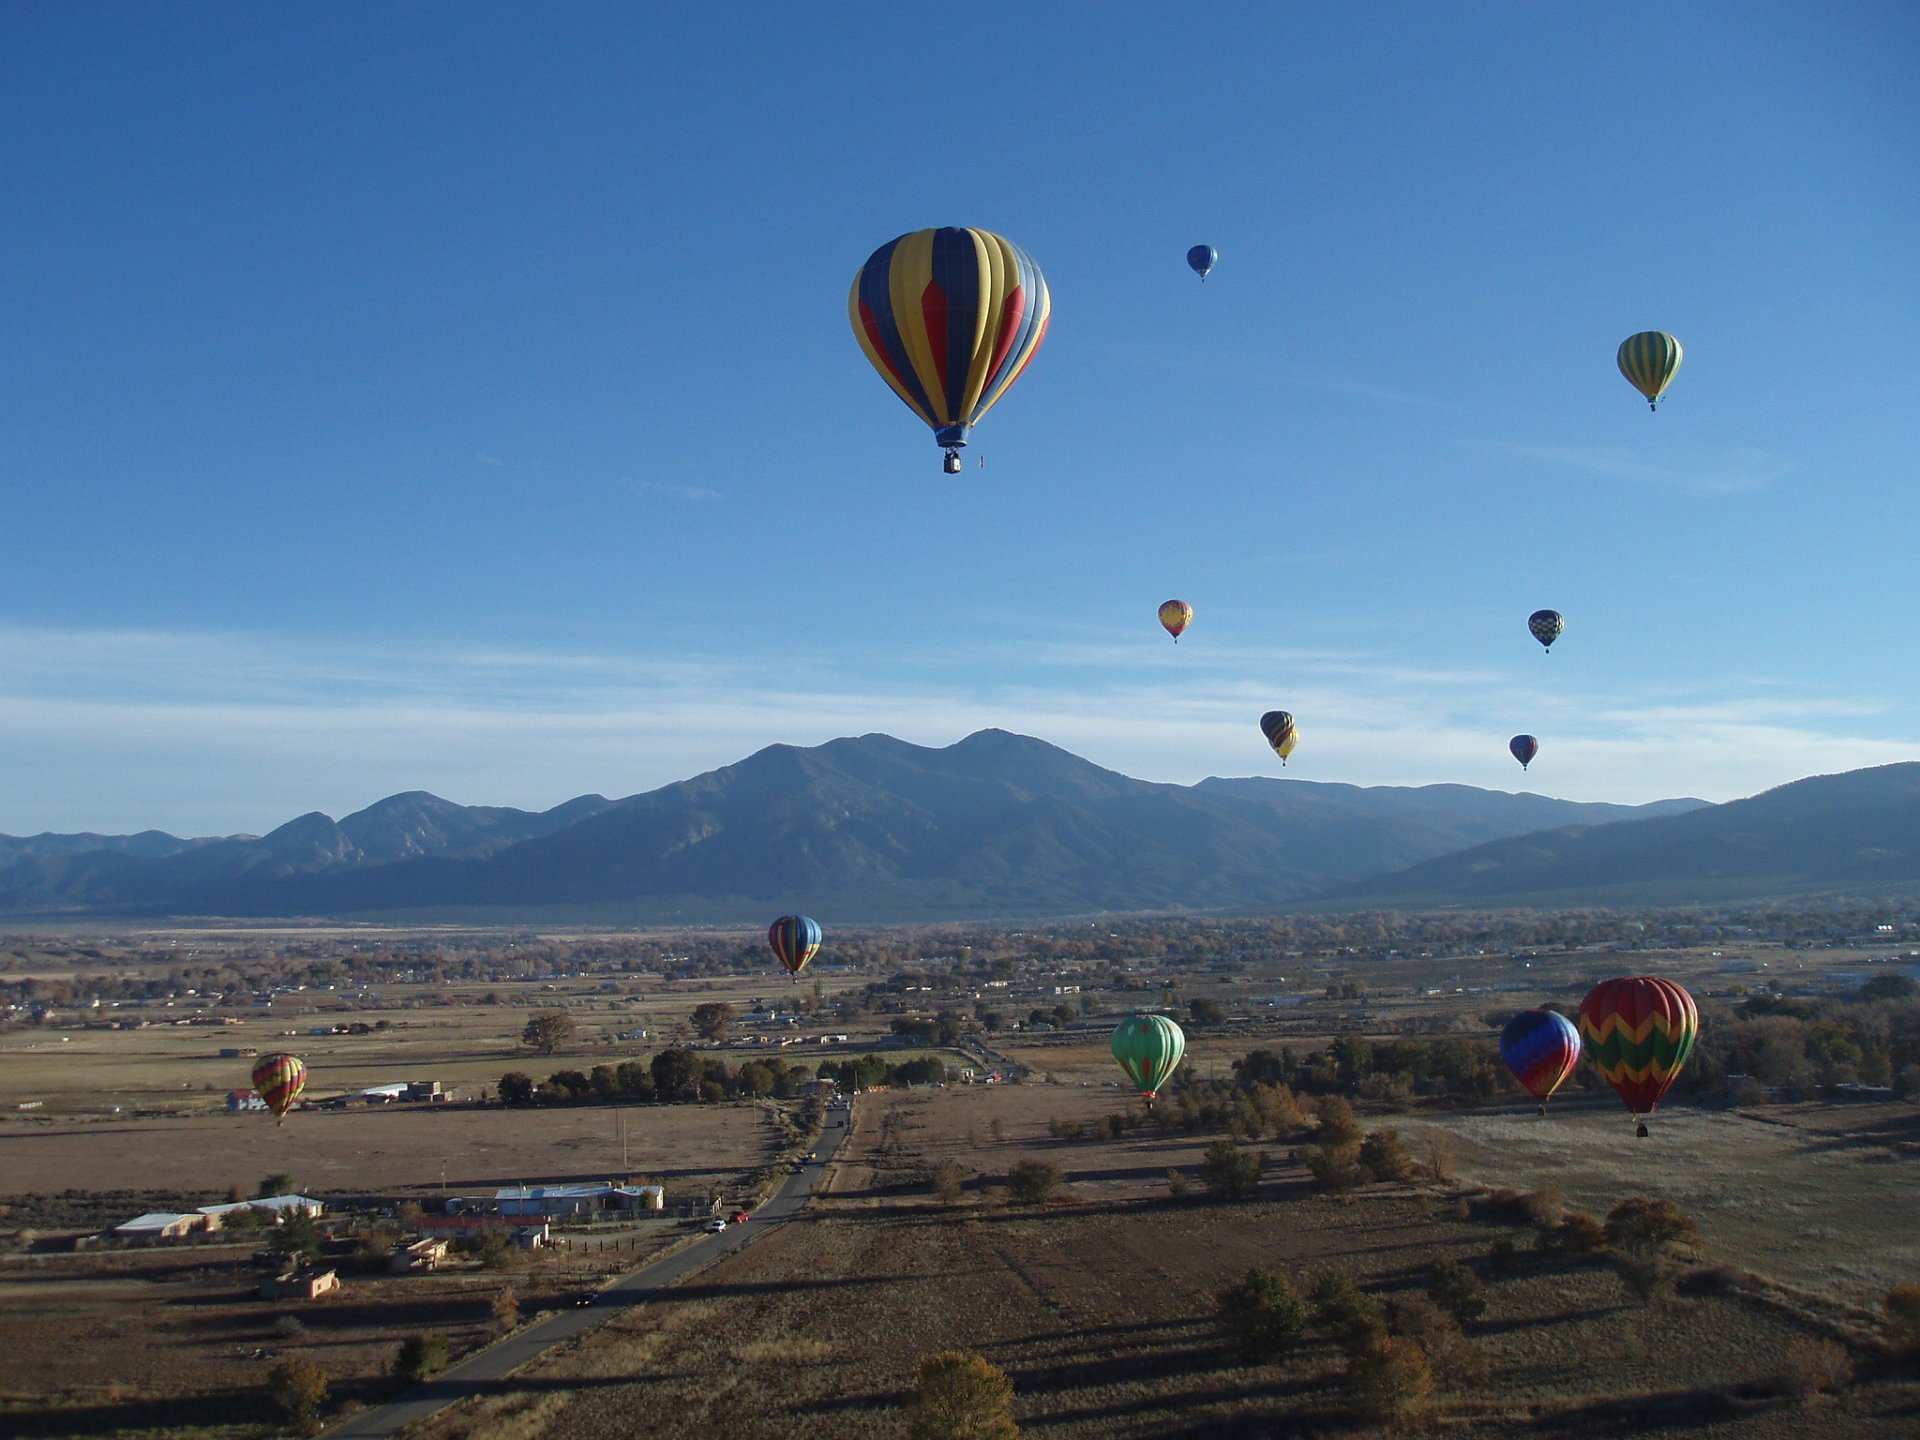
(461, 396)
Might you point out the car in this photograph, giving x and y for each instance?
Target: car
(740, 1217)
(586, 1297)
(716, 1225)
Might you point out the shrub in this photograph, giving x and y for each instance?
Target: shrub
(1582, 1235)
(1334, 1168)
(1456, 1290)
(1230, 1172)
(1815, 1367)
(1647, 1277)
(505, 1308)
(288, 1327)
(1032, 1181)
(1347, 1314)
(958, 1395)
(949, 1183)
(1503, 1255)
(1641, 1227)
(1263, 1315)
(1389, 1378)
(1902, 1304)
(299, 1387)
(421, 1357)
(1177, 1184)
(1384, 1156)
(1452, 1357)
(1544, 1208)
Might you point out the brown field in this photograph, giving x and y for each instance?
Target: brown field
(389, 1149)
(1098, 1307)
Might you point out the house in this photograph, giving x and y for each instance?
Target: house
(239, 1100)
(276, 1207)
(300, 1284)
(575, 1200)
(427, 1254)
(424, 1090)
(238, 1052)
(160, 1225)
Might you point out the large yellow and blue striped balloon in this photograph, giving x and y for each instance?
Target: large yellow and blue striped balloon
(950, 318)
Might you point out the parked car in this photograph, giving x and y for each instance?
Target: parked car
(716, 1225)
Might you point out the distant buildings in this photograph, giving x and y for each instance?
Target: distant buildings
(555, 1201)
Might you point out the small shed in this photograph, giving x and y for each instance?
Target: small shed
(300, 1284)
(427, 1254)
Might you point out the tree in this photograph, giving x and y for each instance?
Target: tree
(1639, 1226)
(1902, 1322)
(1384, 1156)
(1347, 1313)
(422, 1356)
(1456, 1290)
(959, 1395)
(1263, 1315)
(505, 1308)
(676, 1074)
(1230, 1172)
(713, 1019)
(1207, 1012)
(548, 1031)
(1389, 1378)
(299, 1387)
(297, 1237)
(1337, 1125)
(279, 1184)
(516, 1088)
(1031, 1182)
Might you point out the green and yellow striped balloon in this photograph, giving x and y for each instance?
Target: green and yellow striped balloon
(1649, 360)
(1148, 1048)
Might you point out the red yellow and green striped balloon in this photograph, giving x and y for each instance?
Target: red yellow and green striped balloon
(1639, 1031)
(278, 1081)
(795, 939)
(1148, 1048)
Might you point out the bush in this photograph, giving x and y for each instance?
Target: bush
(1503, 1255)
(1456, 1290)
(1384, 1156)
(1640, 1228)
(288, 1327)
(505, 1308)
(1345, 1312)
(1263, 1315)
(1032, 1182)
(421, 1357)
(1815, 1367)
(1389, 1378)
(299, 1388)
(1544, 1208)
(1230, 1172)
(1582, 1235)
(958, 1395)
(1177, 1184)
(949, 1183)
(1647, 1277)
(1334, 1168)
(1452, 1357)
(1902, 1304)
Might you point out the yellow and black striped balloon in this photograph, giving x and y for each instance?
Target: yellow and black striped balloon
(1650, 360)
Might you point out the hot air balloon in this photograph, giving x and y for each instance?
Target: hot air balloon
(1649, 360)
(278, 1081)
(1546, 626)
(1541, 1047)
(795, 940)
(1201, 259)
(1281, 733)
(1639, 1031)
(1176, 615)
(950, 318)
(1524, 748)
(1148, 1048)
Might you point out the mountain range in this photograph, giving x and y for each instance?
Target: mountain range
(874, 829)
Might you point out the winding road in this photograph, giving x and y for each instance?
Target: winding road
(477, 1374)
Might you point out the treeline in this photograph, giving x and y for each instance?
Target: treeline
(682, 1076)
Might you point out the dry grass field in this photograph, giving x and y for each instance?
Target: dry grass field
(1099, 1307)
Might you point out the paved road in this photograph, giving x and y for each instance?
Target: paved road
(477, 1374)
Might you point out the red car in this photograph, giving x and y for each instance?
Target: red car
(740, 1217)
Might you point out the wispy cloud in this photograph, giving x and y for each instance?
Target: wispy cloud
(673, 492)
(1733, 474)
(219, 731)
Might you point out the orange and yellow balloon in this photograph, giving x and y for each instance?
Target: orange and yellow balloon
(1176, 615)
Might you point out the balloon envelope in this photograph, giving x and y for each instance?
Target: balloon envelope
(1524, 748)
(1176, 615)
(1201, 259)
(1148, 1048)
(1639, 1031)
(1282, 734)
(1541, 1047)
(1546, 626)
(278, 1081)
(1649, 360)
(950, 318)
(795, 940)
